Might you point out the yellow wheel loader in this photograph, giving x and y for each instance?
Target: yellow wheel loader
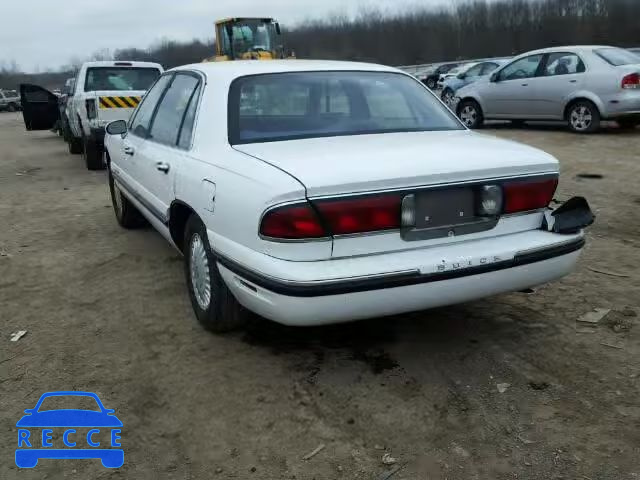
(247, 39)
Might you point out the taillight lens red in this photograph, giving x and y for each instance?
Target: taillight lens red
(364, 214)
(631, 81)
(522, 196)
(292, 222)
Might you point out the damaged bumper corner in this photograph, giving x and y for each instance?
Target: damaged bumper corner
(570, 217)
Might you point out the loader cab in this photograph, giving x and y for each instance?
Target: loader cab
(248, 39)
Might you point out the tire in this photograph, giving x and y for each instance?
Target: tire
(628, 123)
(12, 107)
(583, 117)
(431, 83)
(470, 112)
(447, 96)
(92, 155)
(126, 213)
(217, 311)
(75, 144)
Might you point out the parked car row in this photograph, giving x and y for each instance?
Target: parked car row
(582, 85)
(100, 92)
(9, 101)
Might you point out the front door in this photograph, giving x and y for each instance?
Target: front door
(512, 94)
(39, 107)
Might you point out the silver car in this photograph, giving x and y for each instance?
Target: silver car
(582, 85)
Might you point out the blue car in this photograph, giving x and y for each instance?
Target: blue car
(464, 77)
(36, 444)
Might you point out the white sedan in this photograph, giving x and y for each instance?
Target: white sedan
(314, 192)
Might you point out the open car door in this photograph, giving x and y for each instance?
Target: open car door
(39, 107)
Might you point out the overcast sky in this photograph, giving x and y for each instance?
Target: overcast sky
(42, 34)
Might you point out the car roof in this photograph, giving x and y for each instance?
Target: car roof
(240, 68)
(569, 48)
(121, 63)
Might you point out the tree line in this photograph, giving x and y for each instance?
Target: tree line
(467, 29)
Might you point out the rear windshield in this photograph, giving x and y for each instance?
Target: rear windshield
(120, 78)
(617, 56)
(289, 106)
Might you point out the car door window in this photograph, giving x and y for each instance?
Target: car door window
(563, 64)
(186, 130)
(523, 68)
(168, 118)
(488, 68)
(474, 71)
(139, 124)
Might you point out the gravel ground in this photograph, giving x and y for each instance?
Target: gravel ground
(511, 387)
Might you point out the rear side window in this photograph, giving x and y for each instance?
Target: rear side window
(563, 64)
(120, 78)
(289, 106)
(172, 109)
(617, 56)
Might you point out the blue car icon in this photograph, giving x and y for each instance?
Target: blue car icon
(31, 448)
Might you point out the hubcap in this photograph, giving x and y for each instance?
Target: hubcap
(581, 118)
(468, 115)
(199, 269)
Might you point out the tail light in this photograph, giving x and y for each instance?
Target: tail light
(631, 81)
(365, 214)
(292, 222)
(333, 217)
(91, 108)
(522, 196)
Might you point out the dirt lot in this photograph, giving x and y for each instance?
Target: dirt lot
(106, 311)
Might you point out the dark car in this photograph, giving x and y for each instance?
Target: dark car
(431, 80)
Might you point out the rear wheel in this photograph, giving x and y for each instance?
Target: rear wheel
(12, 107)
(92, 154)
(583, 117)
(470, 113)
(127, 214)
(215, 306)
(75, 144)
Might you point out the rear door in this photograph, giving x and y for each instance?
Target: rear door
(562, 74)
(39, 107)
(512, 95)
(168, 142)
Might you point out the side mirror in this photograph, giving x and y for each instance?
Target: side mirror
(493, 77)
(117, 128)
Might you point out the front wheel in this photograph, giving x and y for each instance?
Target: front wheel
(127, 214)
(583, 117)
(431, 83)
(12, 107)
(213, 303)
(447, 96)
(470, 113)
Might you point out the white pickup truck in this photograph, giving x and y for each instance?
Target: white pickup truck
(103, 92)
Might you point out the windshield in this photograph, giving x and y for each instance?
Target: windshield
(617, 56)
(275, 107)
(120, 78)
(249, 36)
(68, 402)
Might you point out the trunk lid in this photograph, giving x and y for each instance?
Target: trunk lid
(369, 163)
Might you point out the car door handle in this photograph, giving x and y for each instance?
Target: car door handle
(573, 81)
(129, 151)
(525, 84)
(163, 167)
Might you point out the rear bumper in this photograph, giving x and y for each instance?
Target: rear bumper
(417, 282)
(623, 105)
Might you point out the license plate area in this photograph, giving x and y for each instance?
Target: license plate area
(446, 213)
